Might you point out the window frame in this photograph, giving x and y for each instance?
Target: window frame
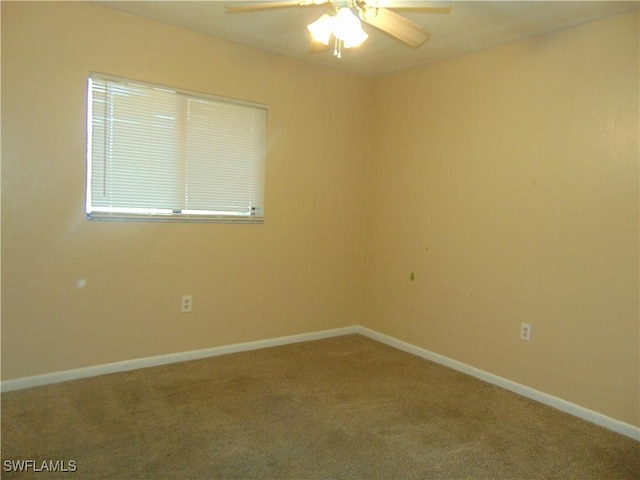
(151, 214)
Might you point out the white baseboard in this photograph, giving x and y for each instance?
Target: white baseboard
(555, 402)
(57, 377)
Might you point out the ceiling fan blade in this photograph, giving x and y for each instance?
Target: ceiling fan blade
(395, 25)
(414, 5)
(258, 5)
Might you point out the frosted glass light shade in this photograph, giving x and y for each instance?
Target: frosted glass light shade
(347, 27)
(322, 29)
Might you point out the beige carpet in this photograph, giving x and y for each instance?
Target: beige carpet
(340, 408)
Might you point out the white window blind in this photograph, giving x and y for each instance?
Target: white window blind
(160, 154)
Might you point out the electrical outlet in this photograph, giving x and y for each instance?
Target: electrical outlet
(525, 332)
(186, 304)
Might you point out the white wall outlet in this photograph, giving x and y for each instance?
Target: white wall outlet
(186, 304)
(525, 332)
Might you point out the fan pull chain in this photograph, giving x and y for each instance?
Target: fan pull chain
(337, 48)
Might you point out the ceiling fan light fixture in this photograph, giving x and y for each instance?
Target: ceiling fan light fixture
(322, 29)
(347, 27)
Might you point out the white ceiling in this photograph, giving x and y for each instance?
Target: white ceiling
(470, 26)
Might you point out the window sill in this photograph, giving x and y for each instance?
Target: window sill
(180, 218)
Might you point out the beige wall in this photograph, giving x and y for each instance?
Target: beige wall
(507, 181)
(297, 273)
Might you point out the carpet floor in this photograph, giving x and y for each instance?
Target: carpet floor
(340, 408)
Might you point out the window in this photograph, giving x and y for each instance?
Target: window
(156, 153)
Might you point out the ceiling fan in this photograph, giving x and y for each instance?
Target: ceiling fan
(342, 20)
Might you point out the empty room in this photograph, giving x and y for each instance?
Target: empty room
(236, 245)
